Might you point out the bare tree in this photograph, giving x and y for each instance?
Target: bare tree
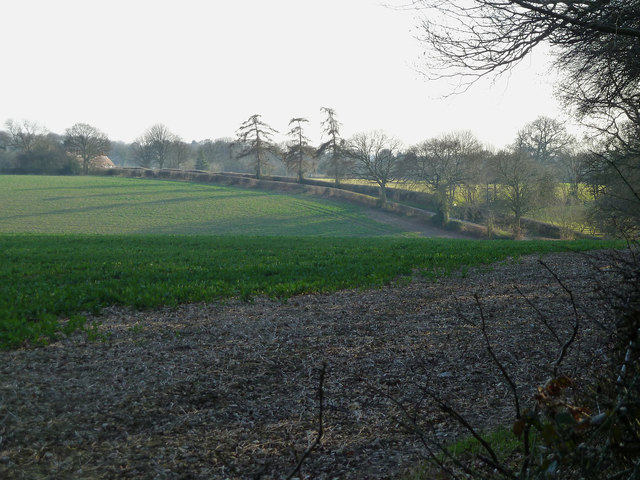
(334, 149)
(575, 167)
(377, 159)
(614, 171)
(443, 164)
(255, 140)
(524, 182)
(143, 153)
(595, 45)
(546, 140)
(154, 146)
(480, 37)
(299, 154)
(87, 143)
(24, 135)
(179, 153)
(161, 141)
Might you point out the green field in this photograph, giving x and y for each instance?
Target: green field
(48, 281)
(109, 205)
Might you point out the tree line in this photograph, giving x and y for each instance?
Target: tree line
(543, 165)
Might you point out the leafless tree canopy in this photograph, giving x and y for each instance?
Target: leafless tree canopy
(595, 43)
(24, 135)
(444, 163)
(86, 142)
(155, 146)
(525, 182)
(546, 140)
(377, 158)
(479, 37)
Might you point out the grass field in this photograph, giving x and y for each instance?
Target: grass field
(109, 205)
(50, 275)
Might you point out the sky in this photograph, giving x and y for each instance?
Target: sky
(202, 67)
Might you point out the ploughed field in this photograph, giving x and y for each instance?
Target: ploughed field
(230, 390)
(156, 329)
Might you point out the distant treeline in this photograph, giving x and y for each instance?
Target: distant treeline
(544, 167)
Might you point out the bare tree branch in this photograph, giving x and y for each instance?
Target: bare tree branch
(323, 371)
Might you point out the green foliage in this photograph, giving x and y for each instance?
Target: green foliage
(502, 440)
(45, 277)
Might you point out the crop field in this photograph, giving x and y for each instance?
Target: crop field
(54, 267)
(107, 205)
(44, 278)
(184, 335)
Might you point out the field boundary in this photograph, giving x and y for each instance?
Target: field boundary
(280, 184)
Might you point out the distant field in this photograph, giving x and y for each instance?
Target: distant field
(108, 205)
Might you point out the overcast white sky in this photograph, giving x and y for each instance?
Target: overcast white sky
(202, 67)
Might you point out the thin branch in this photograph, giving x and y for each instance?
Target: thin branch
(323, 371)
(417, 429)
(542, 316)
(622, 176)
(506, 375)
(493, 462)
(576, 326)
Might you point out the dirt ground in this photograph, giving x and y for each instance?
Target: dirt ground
(231, 390)
(413, 225)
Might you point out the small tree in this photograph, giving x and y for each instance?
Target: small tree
(204, 155)
(86, 143)
(255, 141)
(377, 159)
(299, 154)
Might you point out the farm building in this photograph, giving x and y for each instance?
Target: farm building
(101, 162)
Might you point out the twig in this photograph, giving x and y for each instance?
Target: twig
(507, 377)
(417, 429)
(576, 326)
(512, 385)
(543, 317)
(493, 461)
(323, 371)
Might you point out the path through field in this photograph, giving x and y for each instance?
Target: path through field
(413, 225)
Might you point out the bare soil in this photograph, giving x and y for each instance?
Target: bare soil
(231, 390)
(413, 225)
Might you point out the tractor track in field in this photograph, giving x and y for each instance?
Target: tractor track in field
(414, 225)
